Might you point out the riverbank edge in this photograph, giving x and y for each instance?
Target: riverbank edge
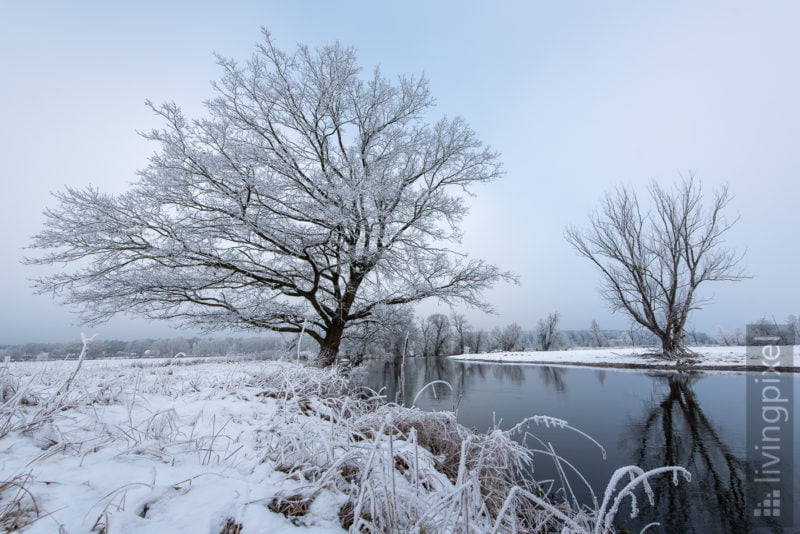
(677, 366)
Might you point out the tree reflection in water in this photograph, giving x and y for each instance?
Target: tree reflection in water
(672, 429)
(555, 377)
(420, 371)
(601, 376)
(675, 431)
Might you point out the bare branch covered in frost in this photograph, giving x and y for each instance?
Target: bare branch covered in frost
(311, 194)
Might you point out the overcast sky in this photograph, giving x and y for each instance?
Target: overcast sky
(578, 97)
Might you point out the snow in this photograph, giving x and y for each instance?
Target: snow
(228, 446)
(706, 358)
(177, 444)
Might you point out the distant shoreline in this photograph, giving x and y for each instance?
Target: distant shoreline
(707, 359)
(607, 365)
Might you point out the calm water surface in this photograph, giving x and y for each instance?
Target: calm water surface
(648, 418)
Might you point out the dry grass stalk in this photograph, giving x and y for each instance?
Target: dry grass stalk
(18, 507)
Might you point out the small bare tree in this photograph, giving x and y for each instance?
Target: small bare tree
(547, 334)
(476, 340)
(597, 334)
(724, 337)
(384, 334)
(436, 334)
(794, 320)
(506, 338)
(462, 331)
(653, 262)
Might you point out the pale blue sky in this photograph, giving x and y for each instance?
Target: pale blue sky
(576, 96)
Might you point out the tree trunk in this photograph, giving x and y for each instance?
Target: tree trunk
(329, 348)
(670, 346)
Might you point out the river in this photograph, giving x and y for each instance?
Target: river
(646, 418)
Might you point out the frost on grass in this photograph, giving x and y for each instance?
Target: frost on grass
(238, 446)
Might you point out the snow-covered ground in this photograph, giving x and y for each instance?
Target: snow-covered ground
(142, 447)
(721, 358)
(225, 447)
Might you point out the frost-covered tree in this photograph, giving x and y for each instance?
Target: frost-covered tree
(548, 336)
(462, 331)
(506, 338)
(794, 320)
(436, 334)
(652, 262)
(598, 337)
(388, 332)
(476, 340)
(311, 193)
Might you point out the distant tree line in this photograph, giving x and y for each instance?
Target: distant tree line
(402, 332)
(149, 348)
(394, 331)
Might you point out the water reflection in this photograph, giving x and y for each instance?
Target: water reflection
(554, 377)
(601, 376)
(399, 383)
(649, 420)
(676, 431)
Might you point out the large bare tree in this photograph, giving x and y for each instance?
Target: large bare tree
(652, 262)
(310, 194)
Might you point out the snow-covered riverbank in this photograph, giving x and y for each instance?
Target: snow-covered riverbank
(237, 446)
(706, 358)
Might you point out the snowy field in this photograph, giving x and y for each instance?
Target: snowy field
(235, 447)
(141, 447)
(719, 358)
